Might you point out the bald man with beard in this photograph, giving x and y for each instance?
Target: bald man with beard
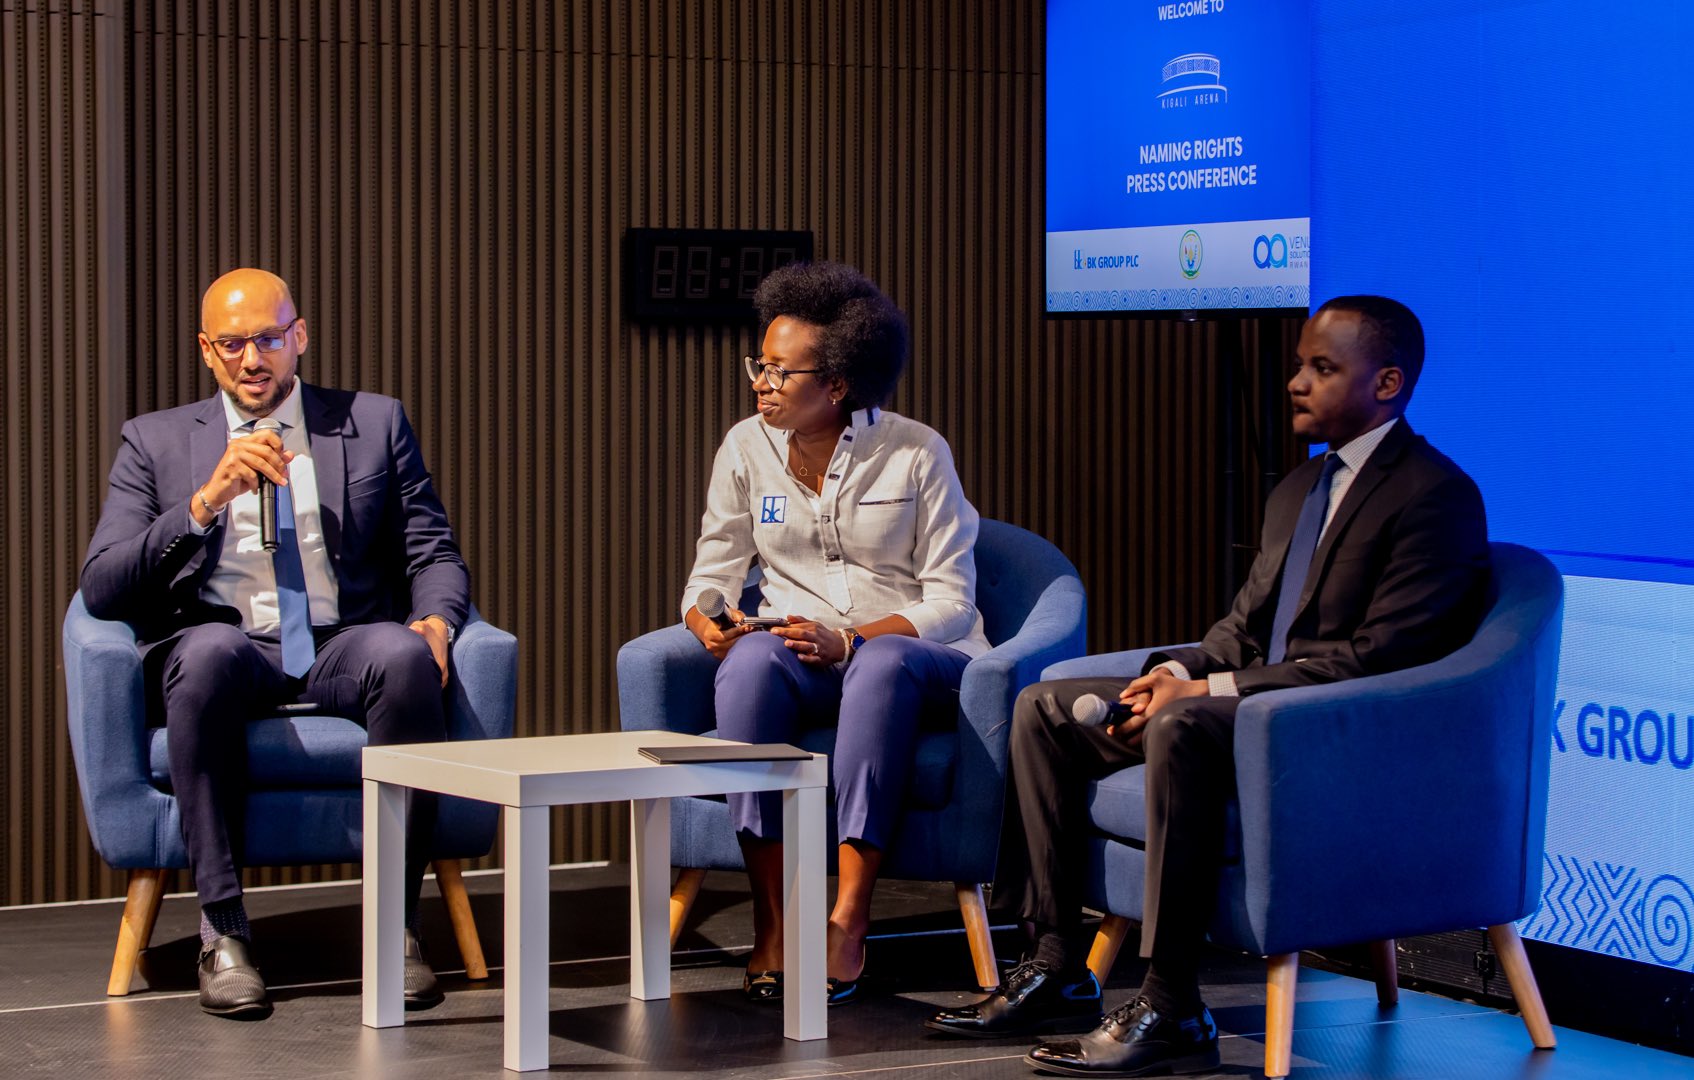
(354, 610)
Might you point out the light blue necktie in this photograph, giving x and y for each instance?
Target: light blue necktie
(298, 649)
(1299, 560)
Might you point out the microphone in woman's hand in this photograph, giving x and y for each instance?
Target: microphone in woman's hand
(710, 603)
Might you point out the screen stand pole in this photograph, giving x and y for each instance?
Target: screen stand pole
(1229, 360)
(1273, 392)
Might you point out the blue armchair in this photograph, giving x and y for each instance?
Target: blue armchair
(306, 803)
(1033, 608)
(1382, 807)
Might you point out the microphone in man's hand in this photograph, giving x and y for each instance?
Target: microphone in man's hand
(710, 603)
(1092, 710)
(267, 493)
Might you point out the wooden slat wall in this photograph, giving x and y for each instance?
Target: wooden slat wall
(446, 184)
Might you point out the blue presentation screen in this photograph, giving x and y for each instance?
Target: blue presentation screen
(1178, 155)
(1520, 174)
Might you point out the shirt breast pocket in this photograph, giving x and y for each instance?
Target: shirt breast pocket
(882, 521)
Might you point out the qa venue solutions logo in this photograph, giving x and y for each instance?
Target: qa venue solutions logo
(1270, 251)
(1190, 252)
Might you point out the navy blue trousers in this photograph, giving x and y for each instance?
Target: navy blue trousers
(764, 693)
(217, 677)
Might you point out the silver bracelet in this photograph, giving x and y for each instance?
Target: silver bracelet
(201, 495)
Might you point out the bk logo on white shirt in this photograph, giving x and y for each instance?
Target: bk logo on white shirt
(774, 509)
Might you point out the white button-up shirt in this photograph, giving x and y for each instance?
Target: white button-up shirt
(890, 534)
(1353, 456)
(245, 576)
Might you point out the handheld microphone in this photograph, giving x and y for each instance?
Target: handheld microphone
(710, 603)
(1092, 710)
(267, 494)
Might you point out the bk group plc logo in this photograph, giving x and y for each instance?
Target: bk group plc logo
(1190, 253)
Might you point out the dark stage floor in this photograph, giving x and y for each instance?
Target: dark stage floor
(55, 1019)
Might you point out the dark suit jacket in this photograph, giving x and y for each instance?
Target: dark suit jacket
(1399, 578)
(385, 530)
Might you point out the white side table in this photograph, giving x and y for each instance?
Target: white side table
(527, 777)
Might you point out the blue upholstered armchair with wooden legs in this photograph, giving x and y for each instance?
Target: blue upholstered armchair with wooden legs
(1033, 606)
(1377, 808)
(306, 803)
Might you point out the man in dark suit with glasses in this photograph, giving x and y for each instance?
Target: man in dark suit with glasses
(352, 609)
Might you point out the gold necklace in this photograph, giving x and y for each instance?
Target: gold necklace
(801, 458)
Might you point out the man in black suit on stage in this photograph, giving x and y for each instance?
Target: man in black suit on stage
(1374, 557)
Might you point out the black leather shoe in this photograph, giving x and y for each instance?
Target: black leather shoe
(229, 983)
(422, 991)
(1135, 1040)
(1031, 1001)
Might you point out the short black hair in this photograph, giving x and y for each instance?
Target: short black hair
(862, 335)
(1392, 334)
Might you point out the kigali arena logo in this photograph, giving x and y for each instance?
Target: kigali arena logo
(1192, 79)
(1189, 253)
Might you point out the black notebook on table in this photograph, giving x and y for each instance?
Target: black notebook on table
(695, 753)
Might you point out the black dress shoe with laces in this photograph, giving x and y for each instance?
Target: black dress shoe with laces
(422, 991)
(1135, 1040)
(1032, 1000)
(229, 983)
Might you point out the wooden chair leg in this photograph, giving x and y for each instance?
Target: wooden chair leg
(1509, 948)
(975, 913)
(1107, 941)
(1385, 962)
(135, 929)
(687, 887)
(452, 885)
(1284, 973)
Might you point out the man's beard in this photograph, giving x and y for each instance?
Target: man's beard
(266, 405)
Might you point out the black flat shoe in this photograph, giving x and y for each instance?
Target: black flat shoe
(1135, 1040)
(1031, 1000)
(418, 978)
(762, 986)
(230, 986)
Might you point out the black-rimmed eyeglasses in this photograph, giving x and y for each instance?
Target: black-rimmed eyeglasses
(774, 375)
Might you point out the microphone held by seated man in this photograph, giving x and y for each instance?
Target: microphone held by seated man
(1373, 558)
(346, 590)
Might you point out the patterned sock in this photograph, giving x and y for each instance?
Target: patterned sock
(224, 918)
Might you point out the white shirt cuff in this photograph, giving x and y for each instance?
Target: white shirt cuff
(1222, 684)
(1177, 668)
